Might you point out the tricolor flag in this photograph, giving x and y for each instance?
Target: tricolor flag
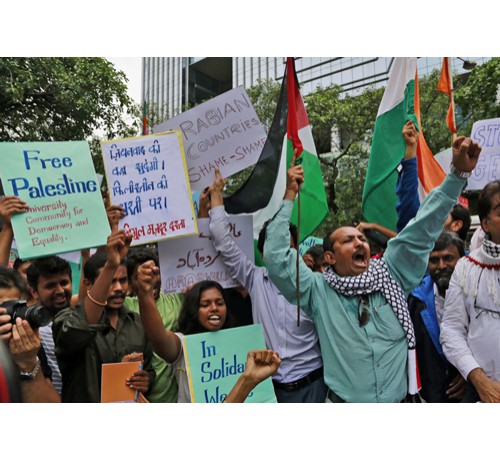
(445, 85)
(262, 193)
(430, 173)
(399, 104)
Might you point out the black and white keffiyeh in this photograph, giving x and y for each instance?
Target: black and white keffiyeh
(376, 278)
(492, 249)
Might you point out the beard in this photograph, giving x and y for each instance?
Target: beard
(442, 278)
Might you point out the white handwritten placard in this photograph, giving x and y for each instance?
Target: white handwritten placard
(188, 260)
(487, 134)
(223, 132)
(147, 176)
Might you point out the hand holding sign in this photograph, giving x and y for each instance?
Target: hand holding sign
(10, 205)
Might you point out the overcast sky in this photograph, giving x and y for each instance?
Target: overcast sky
(132, 68)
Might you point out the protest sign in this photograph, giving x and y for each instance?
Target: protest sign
(147, 176)
(487, 134)
(215, 360)
(308, 243)
(224, 132)
(58, 182)
(188, 260)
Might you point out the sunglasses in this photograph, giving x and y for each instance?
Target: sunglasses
(363, 312)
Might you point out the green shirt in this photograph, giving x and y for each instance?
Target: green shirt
(165, 386)
(81, 350)
(362, 364)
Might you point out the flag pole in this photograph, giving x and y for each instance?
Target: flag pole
(452, 101)
(292, 132)
(298, 259)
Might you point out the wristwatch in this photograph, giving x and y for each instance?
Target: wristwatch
(30, 375)
(459, 173)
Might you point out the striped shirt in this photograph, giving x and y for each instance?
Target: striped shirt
(48, 345)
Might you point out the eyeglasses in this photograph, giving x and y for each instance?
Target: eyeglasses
(481, 310)
(363, 312)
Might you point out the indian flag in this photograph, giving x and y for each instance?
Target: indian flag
(399, 104)
(262, 193)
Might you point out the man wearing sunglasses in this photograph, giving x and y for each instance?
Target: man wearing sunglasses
(366, 360)
(470, 331)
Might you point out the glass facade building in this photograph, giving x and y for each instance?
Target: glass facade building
(174, 82)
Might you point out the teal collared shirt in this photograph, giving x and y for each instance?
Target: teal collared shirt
(362, 364)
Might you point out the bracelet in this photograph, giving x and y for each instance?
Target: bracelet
(101, 304)
(460, 173)
(31, 375)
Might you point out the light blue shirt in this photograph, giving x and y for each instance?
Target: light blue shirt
(362, 364)
(298, 347)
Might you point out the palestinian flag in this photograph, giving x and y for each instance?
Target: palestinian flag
(399, 104)
(262, 193)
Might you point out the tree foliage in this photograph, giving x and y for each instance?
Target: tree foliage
(479, 98)
(61, 99)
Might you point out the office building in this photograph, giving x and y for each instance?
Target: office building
(172, 82)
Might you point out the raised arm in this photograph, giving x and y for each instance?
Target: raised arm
(407, 186)
(240, 268)
(9, 205)
(407, 254)
(280, 259)
(260, 365)
(388, 233)
(165, 343)
(116, 249)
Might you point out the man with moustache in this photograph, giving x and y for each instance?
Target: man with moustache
(49, 279)
(101, 330)
(441, 382)
(358, 304)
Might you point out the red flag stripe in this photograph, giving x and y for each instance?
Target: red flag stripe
(293, 96)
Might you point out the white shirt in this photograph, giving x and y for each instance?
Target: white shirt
(470, 330)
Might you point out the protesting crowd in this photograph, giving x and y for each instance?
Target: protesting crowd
(416, 322)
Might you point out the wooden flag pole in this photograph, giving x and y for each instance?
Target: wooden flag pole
(298, 256)
(452, 101)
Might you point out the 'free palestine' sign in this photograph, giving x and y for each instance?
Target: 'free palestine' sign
(58, 182)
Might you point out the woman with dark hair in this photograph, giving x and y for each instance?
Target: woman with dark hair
(204, 310)
(191, 319)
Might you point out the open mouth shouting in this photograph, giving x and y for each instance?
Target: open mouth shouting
(360, 259)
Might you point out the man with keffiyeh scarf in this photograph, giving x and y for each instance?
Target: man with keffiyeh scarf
(359, 305)
(470, 330)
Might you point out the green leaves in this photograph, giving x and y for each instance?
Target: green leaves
(59, 99)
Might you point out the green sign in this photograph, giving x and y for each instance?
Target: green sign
(58, 182)
(215, 360)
